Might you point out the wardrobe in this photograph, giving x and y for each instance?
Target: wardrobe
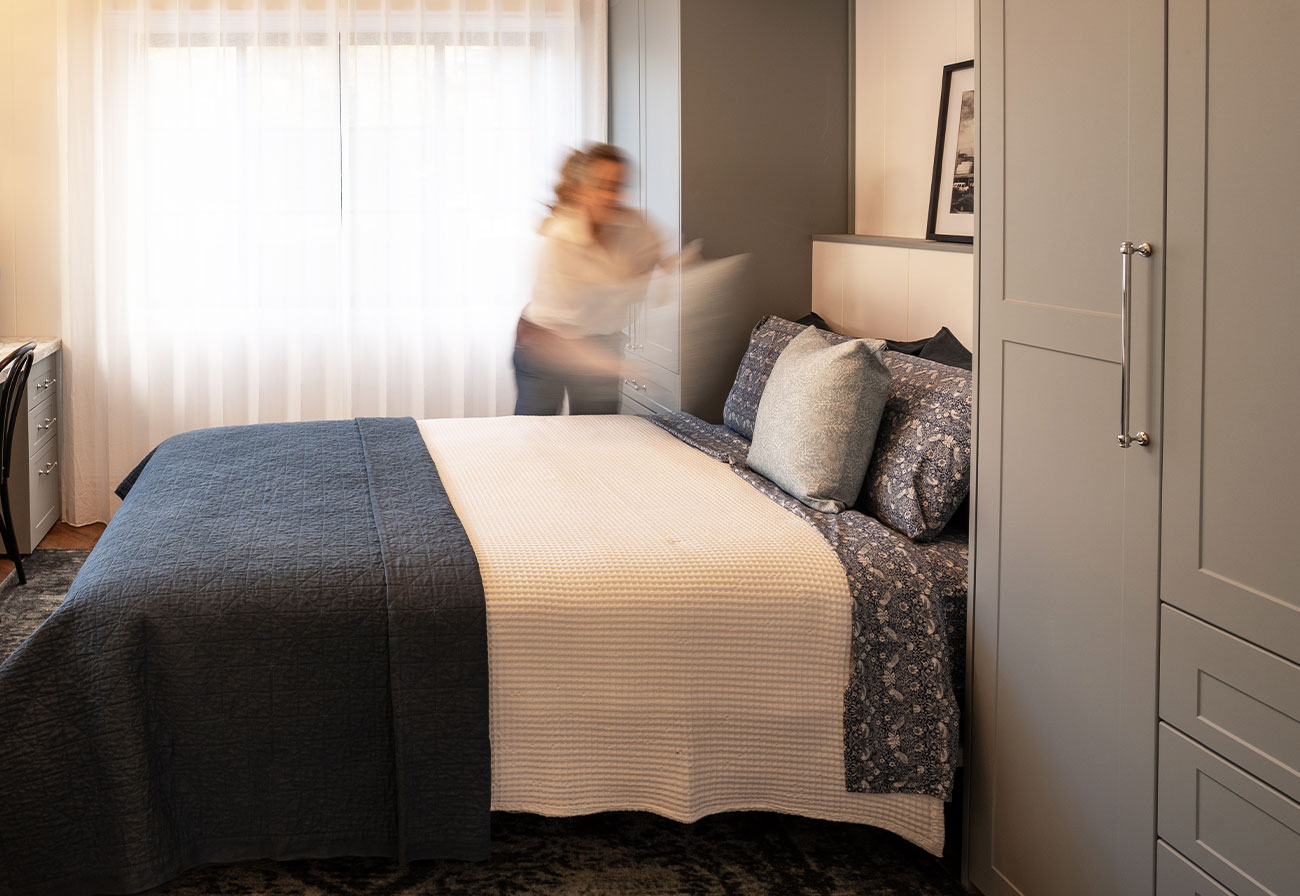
(1135, 616)
(734, 115)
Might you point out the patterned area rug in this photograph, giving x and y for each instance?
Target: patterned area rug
(623, 853)
(24, 607)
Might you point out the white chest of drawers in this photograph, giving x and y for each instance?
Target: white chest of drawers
(34, 475)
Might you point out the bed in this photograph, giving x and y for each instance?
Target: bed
(359, 637)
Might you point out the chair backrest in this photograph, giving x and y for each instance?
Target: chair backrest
(14, 368)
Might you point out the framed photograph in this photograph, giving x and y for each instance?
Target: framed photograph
(952, 188)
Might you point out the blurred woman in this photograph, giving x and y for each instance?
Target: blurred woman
(595, 262)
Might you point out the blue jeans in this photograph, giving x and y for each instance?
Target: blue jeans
(542, 376)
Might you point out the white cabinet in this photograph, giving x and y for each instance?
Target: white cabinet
(35, 478)
(1100, 571)
(1229, 794)
(734, 113)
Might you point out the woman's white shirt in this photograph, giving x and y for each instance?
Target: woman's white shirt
(584, 287)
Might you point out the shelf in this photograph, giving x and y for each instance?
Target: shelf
(899, 242)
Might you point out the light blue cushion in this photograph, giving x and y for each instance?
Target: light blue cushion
(817, 418)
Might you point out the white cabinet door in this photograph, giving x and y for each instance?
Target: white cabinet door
(1233, 415)
(645, 121)
(1065, 609)
(659, 331)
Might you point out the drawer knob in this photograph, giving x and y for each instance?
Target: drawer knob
(49, 381)
(49, 468)
(49, 421)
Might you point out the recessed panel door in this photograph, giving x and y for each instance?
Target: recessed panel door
(1065, 605)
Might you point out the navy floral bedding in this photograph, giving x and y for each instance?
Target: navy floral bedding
(901, 704)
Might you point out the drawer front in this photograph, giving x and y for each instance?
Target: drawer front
(1175, 876)
(652, 394)
(43, 381)
(42, 425)
(46, 477)
(629, 405)
(1242, 832)
(1235, 698)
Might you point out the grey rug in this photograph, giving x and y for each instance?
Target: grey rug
(633, 853)
(24, 607)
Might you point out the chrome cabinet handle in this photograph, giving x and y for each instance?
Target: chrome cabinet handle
(640, 387)
(1126, 250)
(49, 421)
(49, 381)
(49, 468)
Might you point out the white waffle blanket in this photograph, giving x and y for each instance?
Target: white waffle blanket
(661, 636)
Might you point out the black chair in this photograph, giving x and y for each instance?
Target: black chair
(14, 368)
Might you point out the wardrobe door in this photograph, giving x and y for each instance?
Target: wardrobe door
(1232, 413)
(659, 336)
(1065, 608)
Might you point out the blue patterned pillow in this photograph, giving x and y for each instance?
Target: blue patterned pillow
(920, 468)
(769, 338)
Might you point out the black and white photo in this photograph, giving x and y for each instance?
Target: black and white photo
(952, 189)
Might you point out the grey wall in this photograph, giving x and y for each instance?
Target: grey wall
(765, 138)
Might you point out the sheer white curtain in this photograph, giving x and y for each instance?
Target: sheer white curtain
(303, 209)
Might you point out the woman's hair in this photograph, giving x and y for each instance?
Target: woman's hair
(574, 168)
(605, 152)
(571, 173)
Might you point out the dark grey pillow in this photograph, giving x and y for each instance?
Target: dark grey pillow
(920, 469)
(817, 419)
(947, 349)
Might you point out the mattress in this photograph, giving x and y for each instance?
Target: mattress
(661, 635)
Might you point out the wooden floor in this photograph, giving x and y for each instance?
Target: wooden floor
(63, 536)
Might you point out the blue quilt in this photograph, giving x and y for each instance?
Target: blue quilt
(277, 649)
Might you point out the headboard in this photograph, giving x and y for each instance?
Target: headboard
(894, 288)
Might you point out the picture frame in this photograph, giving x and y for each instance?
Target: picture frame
(952, 185)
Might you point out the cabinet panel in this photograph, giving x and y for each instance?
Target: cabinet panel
(1230, 491)
(1065, 612)
(632, 406)
(659, 326)
(657, 332)
(42, 425)
(42, 381)
(45, 478)
(1231, 696)
(1067, 205)
(1059, 730)
(34, 476)
(644, 395)
(739, 140)
(1175, 876)
(625, 86)
(1241, 831)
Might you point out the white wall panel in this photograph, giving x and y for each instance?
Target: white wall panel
(893, 292)
(901, 49)
(940, 294)
(30, 260)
